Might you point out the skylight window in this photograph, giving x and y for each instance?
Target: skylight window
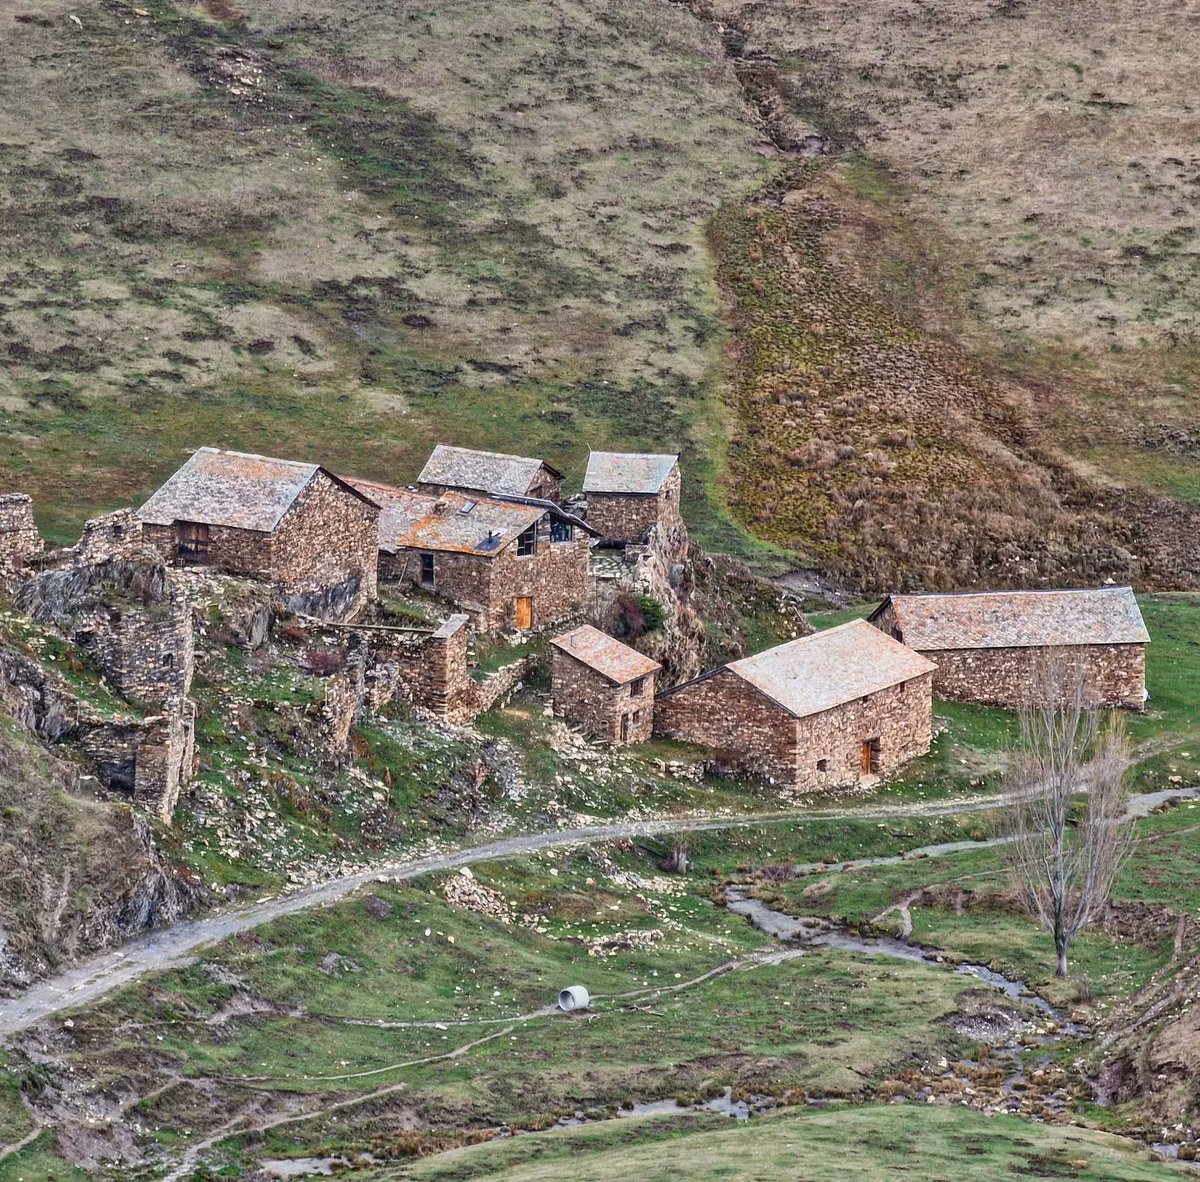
(468, 506)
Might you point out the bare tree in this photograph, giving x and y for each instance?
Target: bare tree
(1065, 870)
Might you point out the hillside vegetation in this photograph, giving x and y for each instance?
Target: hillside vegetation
(956, 350)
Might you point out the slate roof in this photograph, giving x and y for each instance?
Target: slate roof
(489, 471)
(1018, 619)
(818, 672)
(607, 655)
(627, 472)
(463, 524)
(231, 488)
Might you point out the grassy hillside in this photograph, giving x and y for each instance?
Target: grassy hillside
(346, 230)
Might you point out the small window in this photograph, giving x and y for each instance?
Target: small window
(637, 688)
(635, 717)
(427, 576)
(822, 765)
(561, 531)
(527, 542)
(168, 660)
(467, 506)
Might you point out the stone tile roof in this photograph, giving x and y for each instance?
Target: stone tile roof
(829, 668)
(607, 655)
(1019, 619)
(230, 488)
(627, 472)
(489, 471)
(449, 521)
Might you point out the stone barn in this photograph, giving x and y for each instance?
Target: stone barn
(510, 564)
(831, 710)
(629, 493)
(292, 524)
(987, 645)
(488, 474)
(603, 686)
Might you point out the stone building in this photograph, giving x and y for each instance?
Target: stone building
(629, 493)
(295, 525)
(488, 474)
(987, 645)
(602, 685)
(19, 537)
(517, 563)
(829, 710)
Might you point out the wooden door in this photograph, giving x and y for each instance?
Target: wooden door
(867, 756)
(524, 613)
(195, 542)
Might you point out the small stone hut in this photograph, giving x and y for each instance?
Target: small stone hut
(602, 685)
(518, 563)
(629, 493)
(293, 524)
(987, 645)
(488, 474)
(830, 710)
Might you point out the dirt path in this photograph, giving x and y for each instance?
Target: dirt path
(172, 946)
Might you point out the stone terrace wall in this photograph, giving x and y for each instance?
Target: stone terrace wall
(1115, 674)
(19, 537)
(590, 701)
(900, 718)
(733, 720)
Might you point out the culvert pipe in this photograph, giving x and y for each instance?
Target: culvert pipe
(574, 997)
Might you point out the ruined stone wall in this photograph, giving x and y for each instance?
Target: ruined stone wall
(900, 718)
(629, 517)
(146, 651)
(590, 701)
(116, 535)
(487, 589)
(165, 758)
(19, 537)
(328, 538)
(740, 725)
(1115, 674)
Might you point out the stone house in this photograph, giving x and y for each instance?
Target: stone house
(629, 493)
(602, 685)
(831, 710)
(516, 563)
(488, 474)
(295, 525)
(987, 645)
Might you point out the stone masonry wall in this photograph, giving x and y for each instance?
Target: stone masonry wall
(741, 726)
(629, 517)
(590, 701)
(555, 577)
(899, 717)
(240, 551)
(19, 537)
(1115, 674)
(327, 538)
(725, 714)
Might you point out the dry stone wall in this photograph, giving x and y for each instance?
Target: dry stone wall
(116, 535)
(590, 701)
